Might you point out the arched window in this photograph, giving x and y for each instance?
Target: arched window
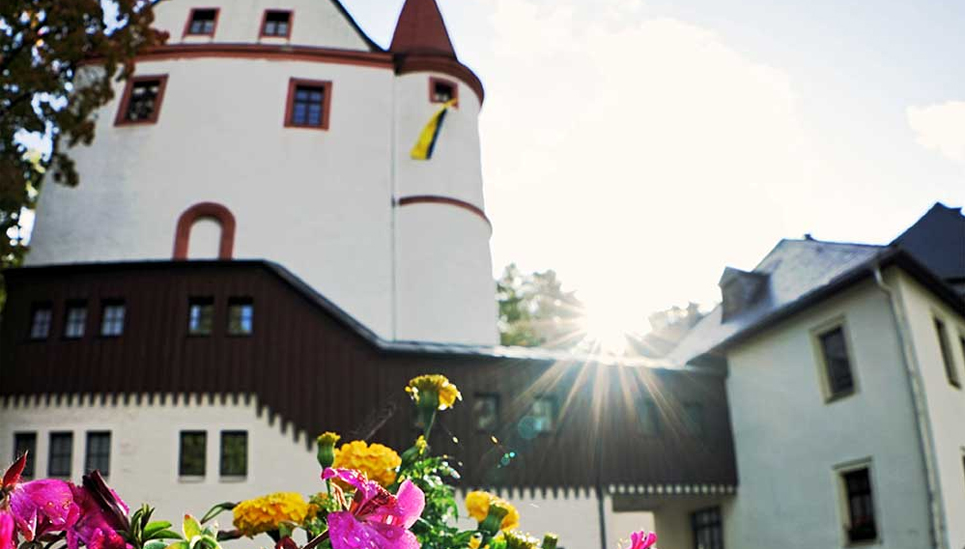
(202, 219)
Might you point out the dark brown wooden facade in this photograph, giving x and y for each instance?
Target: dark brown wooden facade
(311, 365)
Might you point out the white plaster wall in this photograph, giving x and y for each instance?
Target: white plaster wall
(788, 440)
(445, 287)
(945, 403)
(314, 22)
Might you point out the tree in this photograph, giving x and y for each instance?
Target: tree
(534, 311)
(58, 61)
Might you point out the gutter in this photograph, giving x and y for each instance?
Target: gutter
(923, 426)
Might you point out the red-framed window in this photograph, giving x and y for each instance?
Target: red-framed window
(443, 91)
(202, 22)
(141, 102)
(309, 104)
(276, 24)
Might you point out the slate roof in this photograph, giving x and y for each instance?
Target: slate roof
(937, 241)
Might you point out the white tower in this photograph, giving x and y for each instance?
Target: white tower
(278, 130)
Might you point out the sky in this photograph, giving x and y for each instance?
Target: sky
(638, 147)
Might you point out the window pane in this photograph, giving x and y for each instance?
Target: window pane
(946, 350)
(143, 100)
(76, 321)
(861, 513)
(276, 23)
(40, 323)
(836, 360)
(708, 529)
(26, 442)
(193, 453)
(61, 453)
(201, 316)
(485, 409)
(234, 453)
(112, 319)
(202, 22)
(240, 317)
(98, 452)
(308, 106)
(442, 92)
(542, 413)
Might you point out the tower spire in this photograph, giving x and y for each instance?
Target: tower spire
(422, 31)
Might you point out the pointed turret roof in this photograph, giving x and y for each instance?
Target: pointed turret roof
(422, 31)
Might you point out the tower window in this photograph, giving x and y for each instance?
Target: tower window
(202, 21)
(192, 453)
(277, 23)
(40, 321)
(442, 91)
(308, 104)
(837, 363)
(61, 454)
(142, 99)
(241, 313)
(485, 409)
(859, 502)
(26, 443)
(708, 529)
(234, 453)
(98, 452)
(76, 320)
(200, 316)
(112, 318)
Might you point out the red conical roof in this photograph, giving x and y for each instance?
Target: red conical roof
(421, 30)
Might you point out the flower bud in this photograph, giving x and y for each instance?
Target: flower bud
(326, 449)
(494, 519)
(550, 541)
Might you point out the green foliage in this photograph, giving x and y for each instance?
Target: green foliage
(534, 311)
(145, 534)
(433, 528)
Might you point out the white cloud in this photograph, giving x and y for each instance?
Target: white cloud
(941, 127)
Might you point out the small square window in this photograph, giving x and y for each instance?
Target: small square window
(708, 529)
(98, 452)
(76, 321)
(277, 23)
(112, 318)
(234, 453)
(40, 322)
(442, 91)
(202, 22)
(192, 453)
(61, 454)
(543, 415)
(837, 364)
(950, 370)
(308, 104)
(142, 99)
(200, 316)
(485, 410)
(649, 418)
(241, 314)
(26, 443)
(860, 505)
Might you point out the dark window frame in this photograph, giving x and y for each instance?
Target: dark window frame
(183, 467)
(497, 412)
(36, 308)
(835, 387)
(226, 469)
(326, 105)
(241, 303)
(859, 493)
(117, 330)
(264, 23)
(122, 119)
(191, 20)
(75, 305)
(707, 522)
(453, 87)
(554, 413)
(98, 458)
(202, 302)
(30, 468)
(56, 456)
(945, 348)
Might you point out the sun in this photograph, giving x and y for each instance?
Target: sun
(606, 323)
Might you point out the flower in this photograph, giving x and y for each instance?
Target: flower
(378, 462)
(519, 540)
(479, 503)
(326, 448)
(266, 513)
(95, 528)
(433, 390)
(642, 540)
(376, 519)
(7, 540)
(41, 506)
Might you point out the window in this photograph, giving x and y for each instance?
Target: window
(241, 312)
(234, 453)
(98, 452)
(485, 410)
(277, 23)
(694, 418)
(193, 452)
(200, 316)
(142, 99)
(308, 104)
(543, 413)
(946, 350)
(40, 322)
(76, 320)
(202, 21)
(837, 364)
(25, 442)
(442, 91)
(61, 454)
(708, 529)
(112, 318)
(859, 503)
(649, 416)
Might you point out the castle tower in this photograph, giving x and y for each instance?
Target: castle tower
(280, 131)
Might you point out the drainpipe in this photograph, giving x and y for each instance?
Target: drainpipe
(601, 508)
(923, 424)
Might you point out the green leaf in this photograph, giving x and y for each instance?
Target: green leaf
(155, 544)
(191, 527)
(155, 527)
(217, 510)
(179, 545)
(164, 534)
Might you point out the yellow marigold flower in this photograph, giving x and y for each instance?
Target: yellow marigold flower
(378, 462)
(478, 503)
(264, 514)
(475, 542)
(436, 387)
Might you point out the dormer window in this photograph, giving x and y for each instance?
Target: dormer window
(277, 23)
(442, 91)
(739, 290)
(202, 22)
(141, 103)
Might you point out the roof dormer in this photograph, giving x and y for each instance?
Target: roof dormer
(739, 290)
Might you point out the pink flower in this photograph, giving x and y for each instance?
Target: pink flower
(95, 528)
(642, 540)
(41, 506)
(6, 531)
(376, 519)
